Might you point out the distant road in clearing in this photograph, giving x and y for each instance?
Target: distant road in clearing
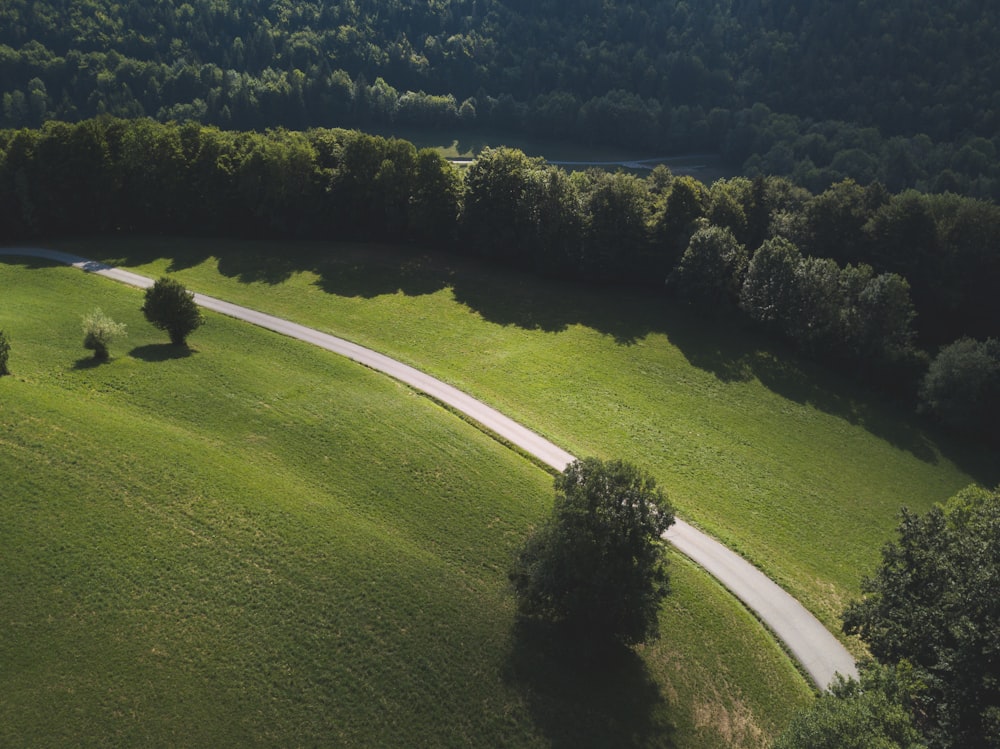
(813, 646)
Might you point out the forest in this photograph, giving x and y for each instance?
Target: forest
(902, 93)
(895, 289)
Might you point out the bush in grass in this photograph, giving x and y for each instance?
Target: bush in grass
(872, 712)
(596, 569)
(99, 331)
(4, 353)
(171, 307)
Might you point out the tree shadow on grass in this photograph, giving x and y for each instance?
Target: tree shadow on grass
(733, 351)
(158, 352)
(581, 699)
(506, 297)
(366, 278)
(29, 263)
(89, 362)
(255, 266)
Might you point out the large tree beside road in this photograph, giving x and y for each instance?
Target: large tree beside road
(596, 569)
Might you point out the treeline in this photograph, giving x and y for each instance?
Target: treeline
(899, 92)
(855, 276)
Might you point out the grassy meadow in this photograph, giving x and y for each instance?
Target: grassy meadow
(796, 468)
(256, 543)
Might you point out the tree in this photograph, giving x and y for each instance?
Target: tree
(436, 202)
(4, 353)
(866, 714)
(615, 237)
(596, 568)
(170, 307)
(711, 270)
(99, 331)
(683, 206)
(767, 295)
(933, 606)
(503, 187)
(962, 385)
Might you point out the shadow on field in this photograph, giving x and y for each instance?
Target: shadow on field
(581, 700)
(89, 362)
(353, 276)
(157, 352)
(29, 263)
(727, 348)
(735, 353)
(505, 298)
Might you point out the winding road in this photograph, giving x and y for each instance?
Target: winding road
(810, 643)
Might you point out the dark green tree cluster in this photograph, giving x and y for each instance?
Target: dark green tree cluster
(962, 386)
(596, 569)
(930, 615)
(901, 92)
(858, 277)
(107, 175)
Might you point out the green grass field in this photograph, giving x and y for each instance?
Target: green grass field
(256, 543)
(796, 468)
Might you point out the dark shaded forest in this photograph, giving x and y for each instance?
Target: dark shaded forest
(869, 282)
(897, 92)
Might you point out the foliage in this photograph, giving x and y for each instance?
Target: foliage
(904, 271)
(4, 353)
(766, 294)
(99, 332)
(897, 93)
(597, 568)
(503, 187)
(962, 386)
(933, 606)
(868, 714)
(171, 307)
(711, 270)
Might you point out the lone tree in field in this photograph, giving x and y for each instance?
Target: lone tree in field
(170, 307)
(4, 353)
(597, 568)
(99, 331)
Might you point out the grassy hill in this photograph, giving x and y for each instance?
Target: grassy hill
(256, 543)
(797, 469)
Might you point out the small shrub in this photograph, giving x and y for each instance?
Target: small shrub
(99, 331)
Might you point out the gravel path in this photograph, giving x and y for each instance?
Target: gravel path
(815, 648)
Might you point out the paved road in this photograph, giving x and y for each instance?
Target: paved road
(819, 652)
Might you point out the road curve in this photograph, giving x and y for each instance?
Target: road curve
(812, 645)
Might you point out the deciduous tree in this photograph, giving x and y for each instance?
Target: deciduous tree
(99, 331)
(962, 385)
(596, 568)
(171, 307)
(933, 605)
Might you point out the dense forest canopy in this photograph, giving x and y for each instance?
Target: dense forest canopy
(902, 92)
